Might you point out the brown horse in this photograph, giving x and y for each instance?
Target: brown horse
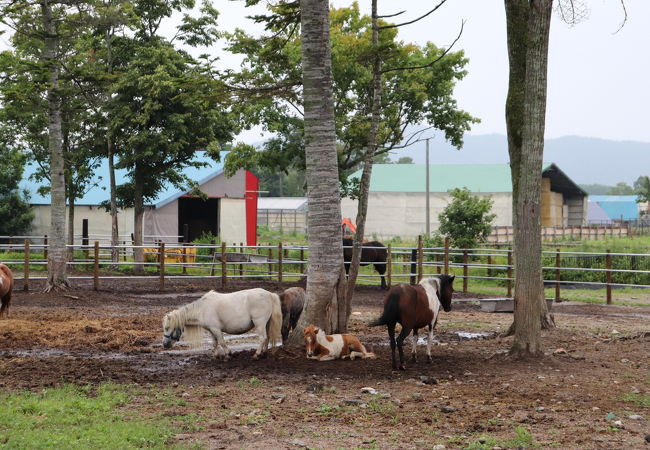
(6, 285)
(372, 252)
(292, 301)
(326, 347)
(415, 307)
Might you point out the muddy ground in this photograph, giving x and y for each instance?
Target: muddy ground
(591, 389)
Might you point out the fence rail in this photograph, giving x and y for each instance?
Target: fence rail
(284, 262)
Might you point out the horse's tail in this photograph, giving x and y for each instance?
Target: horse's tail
(391, 310)
(274, 325)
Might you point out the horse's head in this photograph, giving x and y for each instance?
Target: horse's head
(446, 291)
(310, 333)
(171, 332)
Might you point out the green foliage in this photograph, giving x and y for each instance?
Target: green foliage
(466, 220)
(621, 188)
(642, 188)
(206, 238)
(271, 75)
(74, 417)
(14, 207)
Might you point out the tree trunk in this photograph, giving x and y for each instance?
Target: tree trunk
(530, 308)
(138, 215)
(325, 273)
(115, 232)
(364, 185)
(70, 251)
(56, 269)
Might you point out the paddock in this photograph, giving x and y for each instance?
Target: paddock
(597, 358)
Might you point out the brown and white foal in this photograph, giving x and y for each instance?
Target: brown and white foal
(325, 347)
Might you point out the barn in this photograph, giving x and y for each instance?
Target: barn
(229, 211)
(284, 214)
(397, 200)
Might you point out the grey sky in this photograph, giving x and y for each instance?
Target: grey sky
(598, 79)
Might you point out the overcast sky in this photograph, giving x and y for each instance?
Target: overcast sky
(599, 79)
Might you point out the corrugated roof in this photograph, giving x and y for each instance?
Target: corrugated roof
(289, 203)
(99, 193)
(442, 177)
(596, 214)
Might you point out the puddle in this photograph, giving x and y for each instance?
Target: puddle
(471, 335)
(56, 353)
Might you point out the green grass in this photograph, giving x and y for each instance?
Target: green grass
(522, 438)
(75, 417)
(643, 400)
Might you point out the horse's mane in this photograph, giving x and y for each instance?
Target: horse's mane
(183, 316)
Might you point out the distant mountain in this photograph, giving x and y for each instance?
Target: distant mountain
(585, 160)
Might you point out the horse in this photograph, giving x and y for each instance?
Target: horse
(234, 313)
(6, 286)
(372, 252)
(326, 347)
(415, 307)
(292, 301)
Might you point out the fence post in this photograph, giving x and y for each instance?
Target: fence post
(302, 258)
(184, 259)
(224, 271)
(465, 271)
(84, 239)
(161, 252)
(509, 273)
(608, 276)
(389, 265)
(270, 263)
(280, 259)
(241, 266)
(45, 248)
(213, 253)
(96, 267)
(414, 265)
(420, 258)
(489, 264)
(26, 267)
(557, 276)
(446, 256)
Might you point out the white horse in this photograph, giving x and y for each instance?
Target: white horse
(234, 313)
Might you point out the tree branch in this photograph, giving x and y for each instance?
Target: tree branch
(414, 20)
(424, 66)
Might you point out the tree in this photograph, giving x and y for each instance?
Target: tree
(642, 189)
(528, 26)
(621, 188)
(466, 220)
(14, 207)
(405, 160)
(325, 273)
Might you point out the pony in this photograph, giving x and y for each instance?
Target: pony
(292, 301)
(234, 313)
(325, 347)
(372, 252)
(6, 286)
(415, 307)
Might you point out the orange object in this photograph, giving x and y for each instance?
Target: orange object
(346, 222)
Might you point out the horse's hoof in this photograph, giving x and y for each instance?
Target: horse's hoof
(429, 359)
(256, 357)
(401, 367)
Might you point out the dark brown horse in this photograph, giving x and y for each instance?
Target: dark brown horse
(372, 252)
(292, 301)
(6, 286)
(415, 307)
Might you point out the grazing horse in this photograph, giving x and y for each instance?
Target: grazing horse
(373, 252)
(325, 347)
(292, 301)
(234, 313)
(6, 286)
(415, 307)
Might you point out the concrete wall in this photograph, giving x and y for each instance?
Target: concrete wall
(99, 222)
(232, 220)
(403, 214)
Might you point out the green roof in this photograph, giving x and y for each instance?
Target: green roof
(442, 177)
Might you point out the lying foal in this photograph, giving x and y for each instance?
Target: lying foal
(325, 347)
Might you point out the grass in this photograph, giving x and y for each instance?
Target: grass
(643, 400)
(522, 438)
(78, 417)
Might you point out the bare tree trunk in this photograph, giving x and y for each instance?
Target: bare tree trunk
(56, 269)
(138, 216)
(529, 291)
(115, 232)
(364, 185)
(325, 273)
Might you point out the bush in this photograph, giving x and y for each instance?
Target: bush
(467, 219)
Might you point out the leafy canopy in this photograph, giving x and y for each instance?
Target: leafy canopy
(467, 219)
(270, 89)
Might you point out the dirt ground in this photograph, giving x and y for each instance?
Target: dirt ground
(591, 389)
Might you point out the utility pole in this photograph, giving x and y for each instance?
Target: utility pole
(427, 199)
